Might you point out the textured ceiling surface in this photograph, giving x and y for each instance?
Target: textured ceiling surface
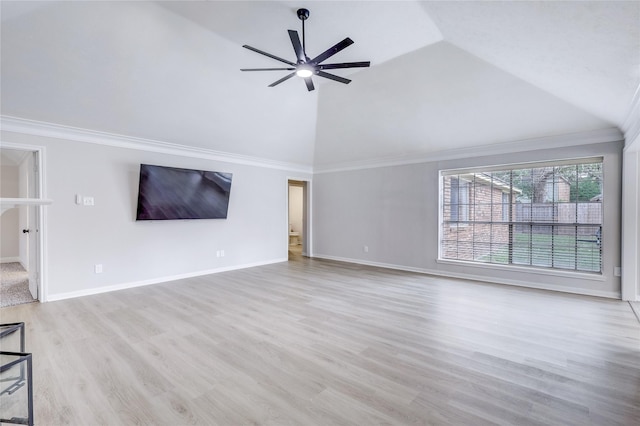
(444, 74)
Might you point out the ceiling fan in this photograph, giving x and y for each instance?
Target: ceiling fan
(306, 67)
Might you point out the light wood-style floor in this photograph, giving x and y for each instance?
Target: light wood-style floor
(313, 342)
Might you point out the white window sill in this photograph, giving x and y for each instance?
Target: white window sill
(595, 276)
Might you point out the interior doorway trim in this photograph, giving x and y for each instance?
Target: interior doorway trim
(41, 192)
(306, 234)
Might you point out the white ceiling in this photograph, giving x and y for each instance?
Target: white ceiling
(444, 74)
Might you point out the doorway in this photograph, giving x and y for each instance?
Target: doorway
(21, 241)
(298, 229)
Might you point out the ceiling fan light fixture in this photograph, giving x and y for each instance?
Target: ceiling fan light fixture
(304, 71)
(305, 67)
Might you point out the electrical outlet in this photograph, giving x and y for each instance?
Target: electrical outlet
(617, 271)
(365, 249)
(218, 253)
(221, 253)
(97, 268)
(88, 201)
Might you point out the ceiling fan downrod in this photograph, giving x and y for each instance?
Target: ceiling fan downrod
(303, 15)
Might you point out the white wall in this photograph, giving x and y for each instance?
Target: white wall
(9, 227)
(295, 209)
(631, 221)
(394, 212)
(136, 253)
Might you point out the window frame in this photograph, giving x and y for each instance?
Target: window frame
(575, 271)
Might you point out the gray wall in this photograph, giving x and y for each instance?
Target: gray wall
(134, 253)
(631, 220)
(391, 210)
(394, 212)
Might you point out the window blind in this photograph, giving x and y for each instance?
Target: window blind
(546, 215)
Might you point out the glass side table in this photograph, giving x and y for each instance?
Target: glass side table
(16, 381)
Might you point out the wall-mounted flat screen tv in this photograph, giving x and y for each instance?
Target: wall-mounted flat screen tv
(167, 193)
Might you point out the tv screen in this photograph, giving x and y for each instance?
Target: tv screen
(167, 193)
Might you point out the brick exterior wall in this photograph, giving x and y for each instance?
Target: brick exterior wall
(474, 241)
(480, 241)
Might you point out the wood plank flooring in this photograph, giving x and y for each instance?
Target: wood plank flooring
(313, 342)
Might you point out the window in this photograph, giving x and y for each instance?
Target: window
(505, 206)
(459, 200)
(546, 215)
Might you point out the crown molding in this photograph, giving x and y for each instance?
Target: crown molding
(631, 125)
(559, 141)
(58, 131)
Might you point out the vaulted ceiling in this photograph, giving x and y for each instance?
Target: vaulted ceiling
(444, 74)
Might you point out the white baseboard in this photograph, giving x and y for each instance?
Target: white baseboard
(517, 283)
(9, 259)
(124, 286)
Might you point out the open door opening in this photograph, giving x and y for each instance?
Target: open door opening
(298, 230)
(20, 255)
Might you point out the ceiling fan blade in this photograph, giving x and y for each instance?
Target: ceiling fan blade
(309, 83)
(269, 55)
(344, 65)
(285, 78)
(297, 47)
(332, 50)
(267, 69)
(333, 77)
